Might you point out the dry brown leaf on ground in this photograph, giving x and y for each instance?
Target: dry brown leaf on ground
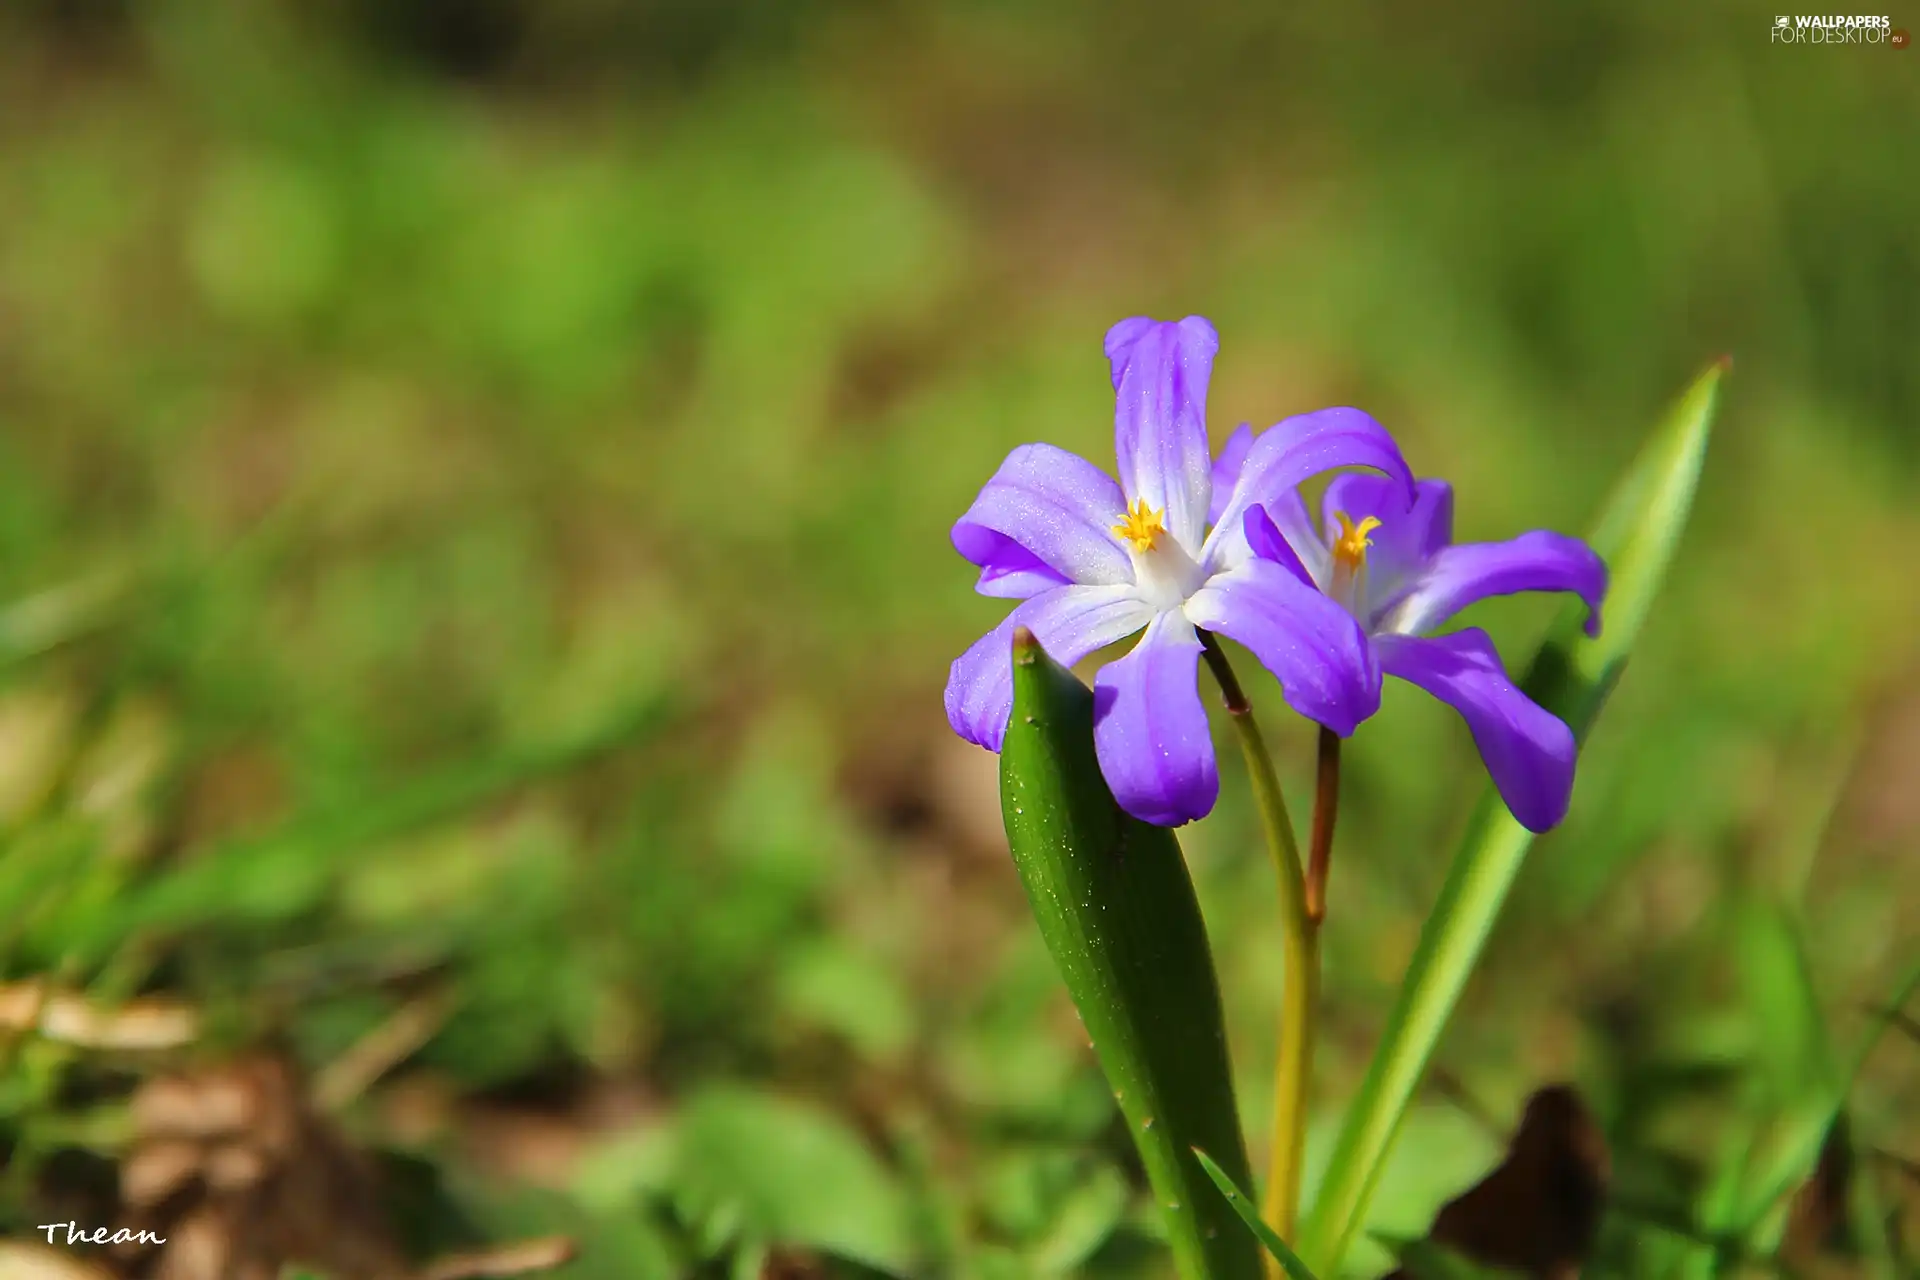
(240, 1176)
(39, 1262)
(138, 1025)
(1539, 1211)
(522, 1258)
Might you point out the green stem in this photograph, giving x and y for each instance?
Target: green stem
(1300, 939)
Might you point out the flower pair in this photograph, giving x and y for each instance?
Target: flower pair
(1184, 544)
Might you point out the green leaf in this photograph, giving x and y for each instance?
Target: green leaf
(831, 985)
(1425, 1260)
(1117, 911)
(768, 1168)
(1289, 1260)
(1571, 676)
(1083, 1223)
(1800, 1086)
(1816, 1090)
(1875, 1231)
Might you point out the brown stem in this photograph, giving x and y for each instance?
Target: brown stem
(525, 1257)
(1326, 808)
(1232, 696)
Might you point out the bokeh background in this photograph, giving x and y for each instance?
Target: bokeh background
(475, 596)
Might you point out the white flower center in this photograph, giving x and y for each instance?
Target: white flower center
(1348, 582)
(1164, 575)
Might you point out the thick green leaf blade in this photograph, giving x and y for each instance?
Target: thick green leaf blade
(1117, 910)
(1571, 676)
(1289, 1261)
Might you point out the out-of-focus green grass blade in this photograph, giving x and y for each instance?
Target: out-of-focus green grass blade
(1788, 1160)
(1289, 1260)
(58, 615)
(1571, 676)
(1716, 1242)
(284, 870)
(1792, 1074)
(1797, 1081)
(1873, 1229)
(1425, 1260)
(1117, 910)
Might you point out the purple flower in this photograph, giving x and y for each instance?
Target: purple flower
(1094, 562)
(1400, 574)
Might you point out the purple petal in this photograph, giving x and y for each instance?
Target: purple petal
(1226, 469)
(1291, 451)
(1528, 751)
(1536, 561)
(1265, 540)
(1313, 647)
(1120, 340)
(1405, 540)
(1160, 373)
(1055, 507)
(1286, 516)
(1150, 729)
(1007, 569)
(1069, 622)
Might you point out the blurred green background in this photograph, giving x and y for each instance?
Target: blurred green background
(475, 595)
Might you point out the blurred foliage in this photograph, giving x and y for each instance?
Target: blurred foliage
(474, 481)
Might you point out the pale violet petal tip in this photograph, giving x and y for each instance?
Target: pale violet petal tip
(1069, 622)
(1008, 570)
(1161, 372)
(1119, 341)
(1047, 505)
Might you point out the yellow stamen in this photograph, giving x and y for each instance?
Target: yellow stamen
(1142, 527)
(1350, 548)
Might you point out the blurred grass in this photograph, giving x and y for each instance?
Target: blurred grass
(399, 400)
